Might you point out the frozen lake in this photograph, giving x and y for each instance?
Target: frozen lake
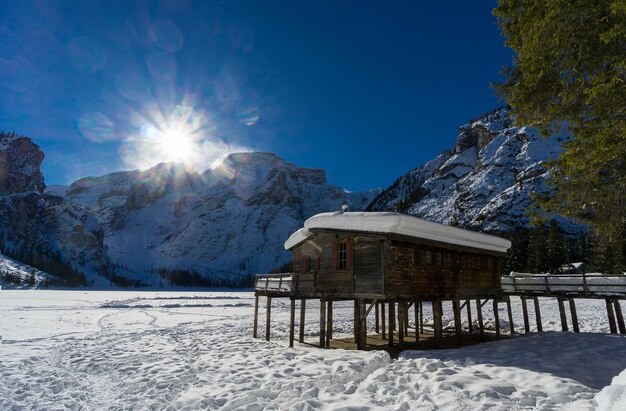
(193, 350)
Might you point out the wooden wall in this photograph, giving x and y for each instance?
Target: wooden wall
(379, 266)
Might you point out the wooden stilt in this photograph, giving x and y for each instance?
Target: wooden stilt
(396, 320)
(562, 313)
(362, 326)
(392, 320)
(510, 312)
(470, 326)
(525, 313)
(456, 308)
(538, 314)
(292, 322)
(496, 316)
(406, 318)
(421, 317)
(479, 314)
(268, 318)
(437, 323)
(609, 310)
(572, 309)
(417, 325)
(255, 326)
(401, 314)
(329, 323)
(356, 320)
(376, 313)
(383, 319)
(302, 317)
(620, 317)
(322, 324)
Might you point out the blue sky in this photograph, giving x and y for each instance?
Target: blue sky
(366, 90)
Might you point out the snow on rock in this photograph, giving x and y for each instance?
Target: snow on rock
(226, 222)
(395, 223)
(19, 274)
(613, 397)
(484, 183)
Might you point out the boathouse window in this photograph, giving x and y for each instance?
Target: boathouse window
(489, 263)
(462, 261)
(448, 259)
(310, 264)
(342, 256)
(474, 262)
(410, 258)
(394, 252)
(438, 259)
(429, 257)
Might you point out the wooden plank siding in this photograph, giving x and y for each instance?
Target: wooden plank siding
(380, 266)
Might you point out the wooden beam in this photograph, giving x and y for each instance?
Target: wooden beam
(525, 314)
(496, 316)
(572, 309)
(322, 324)
(456, 308)
(437, 323)
(470, 326)
(510, 312)
(620, 317)
(609, 311)
(421, 317)
(292, 322)
(268, 318)
(417, 324)
(401, 314)
(562, 314)
(302, 317)
(538, 314)
(255, 326)
(363, 326)
(392, 320)
(329, 323)
(376, 314)
(479, 314)
(383, 327)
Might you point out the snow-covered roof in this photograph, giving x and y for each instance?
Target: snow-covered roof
(395, 223)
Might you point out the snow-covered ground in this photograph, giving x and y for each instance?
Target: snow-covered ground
(193, 350)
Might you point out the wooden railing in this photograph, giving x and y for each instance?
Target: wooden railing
(583, 285)
(283, 283)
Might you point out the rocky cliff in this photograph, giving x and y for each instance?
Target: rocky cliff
(485, 182)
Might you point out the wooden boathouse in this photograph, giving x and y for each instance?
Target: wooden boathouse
(385, 261)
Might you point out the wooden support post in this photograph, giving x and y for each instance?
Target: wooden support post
(538, 315)
(572, 310)
(329, 323)
(322, 324)
(292, 322)
(383, 319)
(437, 323)
(417, 324)
(508, 308)
(401, 314)
(470, 326)
(396, 320)
(392, 320)
(255, 326)
(356, 320)
(479, 314)
(456, 308)
(609, 310)
(362, 344)
(376, 313)
(406, 319)
(496, 316)
(268, 318)
(525, 313)
(562, 313)
(421, 317)
(302, 317)
(620, 317)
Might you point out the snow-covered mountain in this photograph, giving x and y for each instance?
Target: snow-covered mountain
(40, 230)
(485, 182)
(227, 222)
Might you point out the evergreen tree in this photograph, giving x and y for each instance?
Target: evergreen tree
(570, 65)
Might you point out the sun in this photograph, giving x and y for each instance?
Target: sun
(175, 145)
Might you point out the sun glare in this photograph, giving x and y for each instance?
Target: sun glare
(175, 145)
